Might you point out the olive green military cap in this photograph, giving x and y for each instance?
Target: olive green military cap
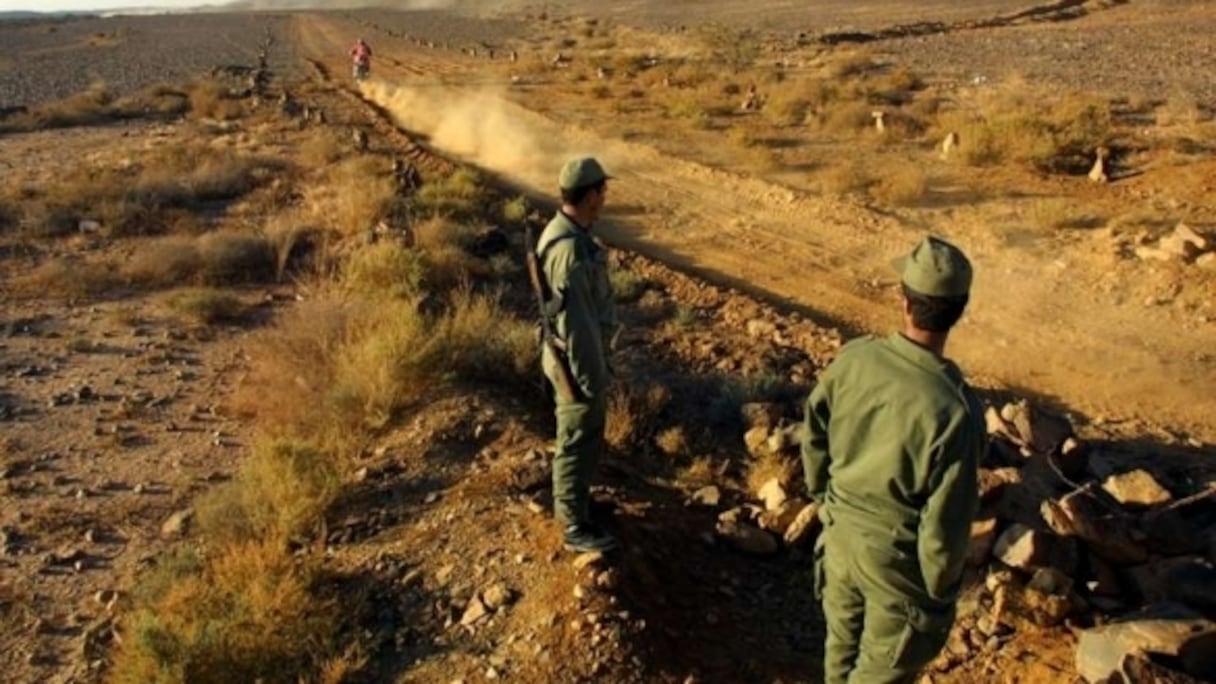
(581, 173)
(935, 268)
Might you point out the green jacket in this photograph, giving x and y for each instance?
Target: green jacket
(576, 268)
(895, 437)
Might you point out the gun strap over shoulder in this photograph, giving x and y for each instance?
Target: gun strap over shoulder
(554, 302)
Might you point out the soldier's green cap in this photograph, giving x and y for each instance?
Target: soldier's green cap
(935, 268)
(581, 173)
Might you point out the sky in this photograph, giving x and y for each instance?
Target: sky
(60, 5)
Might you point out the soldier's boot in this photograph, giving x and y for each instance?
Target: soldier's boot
(586, 538)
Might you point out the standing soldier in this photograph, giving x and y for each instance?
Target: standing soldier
(580, 322)
(895, 436)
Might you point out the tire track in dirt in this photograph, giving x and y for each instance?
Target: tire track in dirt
(1033, 326)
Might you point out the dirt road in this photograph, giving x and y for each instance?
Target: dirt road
(1037, 325)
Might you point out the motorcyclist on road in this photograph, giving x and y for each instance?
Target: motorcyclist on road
(362, 55)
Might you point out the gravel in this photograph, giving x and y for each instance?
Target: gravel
(49, 60)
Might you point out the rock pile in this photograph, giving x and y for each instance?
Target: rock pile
(1065, 531)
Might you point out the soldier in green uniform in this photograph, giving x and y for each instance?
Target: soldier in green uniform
(895, 436)
(575, 267)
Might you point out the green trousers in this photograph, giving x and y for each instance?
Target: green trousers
(580, 445)
(882, 628)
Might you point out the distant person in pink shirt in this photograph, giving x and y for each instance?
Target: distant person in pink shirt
(362, 54)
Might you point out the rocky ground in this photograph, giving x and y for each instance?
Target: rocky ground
(41, 60)
(441, 550)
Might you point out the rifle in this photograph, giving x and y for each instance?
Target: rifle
(564, 382)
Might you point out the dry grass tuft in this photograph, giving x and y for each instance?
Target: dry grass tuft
(845, 179)
(386, 270)
(207, 306)
(281, 490)
(673, 441)
(248, 613)
(211, 100)
(69, 277)
(358, 195)
(459, 196)
(903, 185)
(323, 147)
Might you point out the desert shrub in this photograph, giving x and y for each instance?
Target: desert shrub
(627, 286)
(281, 490)
(1052, 135)
(851, 64)
(673, 441)
(89, 107)
(387, 270)
(322, 148)
(902, 185)
(514, 212)
(247, 614)
(69, 277)
(632, 412)
(229, 257)
(459, 196)
(207, 306)
(440, 232)
(848, 118)
(846, 178)
(162, 262)
(482, 341)
(358, 196)
(211, 100)
(787, 109)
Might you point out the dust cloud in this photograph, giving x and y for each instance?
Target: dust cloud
(480, 127)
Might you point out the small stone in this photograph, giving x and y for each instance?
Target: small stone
(756, 440)
(139, 488)
(579, 592)
(607, 580)
(497, 596)
(105, 597)
(177, 524)
(707, 496)
(475, 611)
(1137, 488)
(586, 560)
(431, 498)
(772, 494)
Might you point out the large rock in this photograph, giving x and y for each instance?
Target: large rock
(747, 538)
(1028, 549)
(1113, 537)
(1036, 429)
(1167, 630)
(1188, 581)
(1137, 489)
(995, 482)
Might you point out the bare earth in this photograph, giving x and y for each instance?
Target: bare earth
(115, 414)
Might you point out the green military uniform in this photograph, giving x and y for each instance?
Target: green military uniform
(894, 440)
(576, 268)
